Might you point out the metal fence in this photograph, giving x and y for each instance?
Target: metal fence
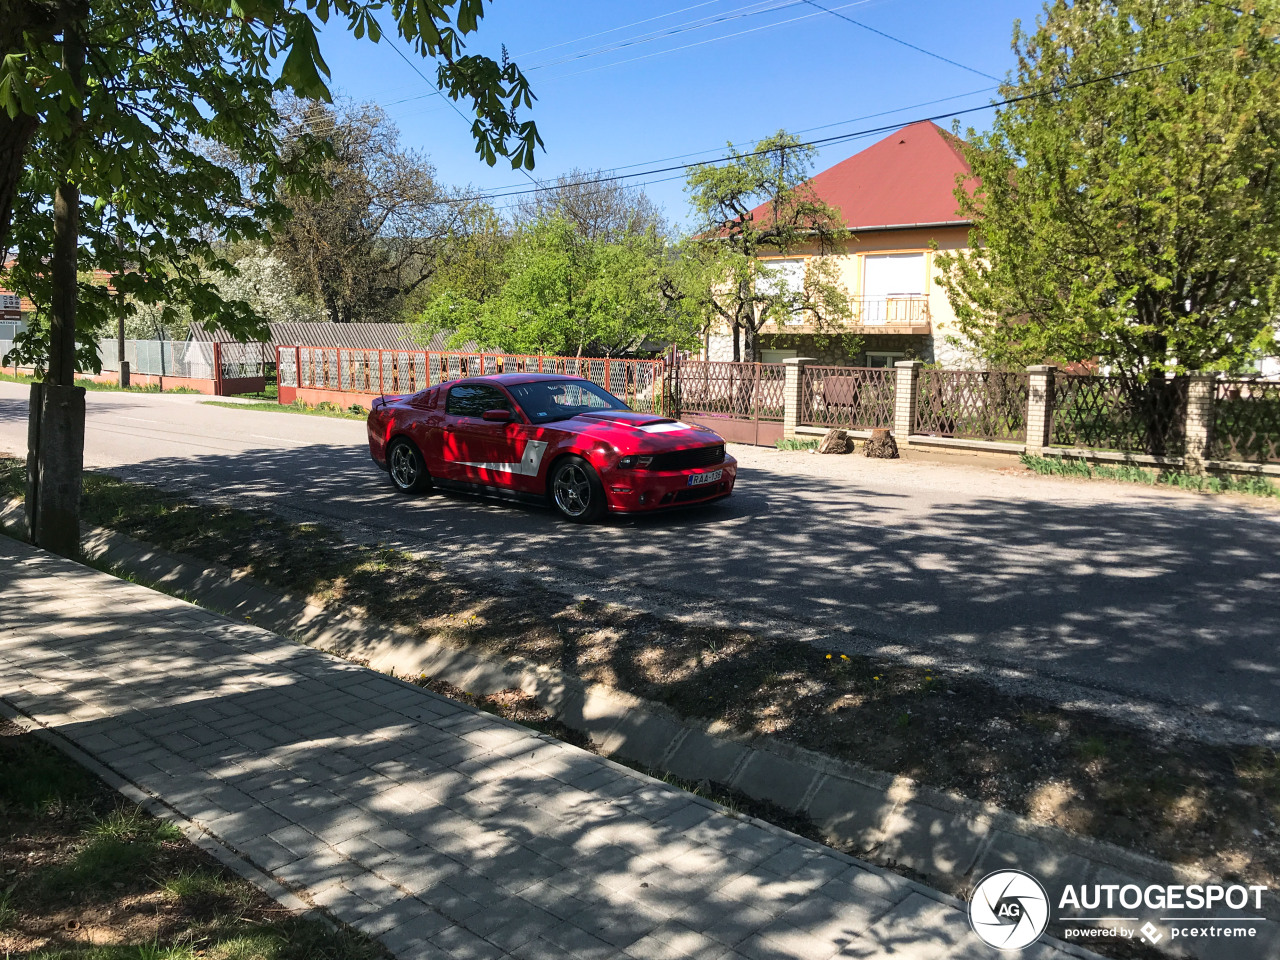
(1246, 421)
(973, 404)
(162, 358)
(856, 398)
(741, 391)
(1112, 413)
(350, 370)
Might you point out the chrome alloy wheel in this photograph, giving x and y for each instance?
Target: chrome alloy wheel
(404, 466)
(572, 490)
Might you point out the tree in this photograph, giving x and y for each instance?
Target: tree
(598, 208)
(371, 235)
(103, 110)
(1127, 207)
(726, 276)
(563, 293)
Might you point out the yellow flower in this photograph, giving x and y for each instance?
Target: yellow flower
(828, 656)
(844, 656)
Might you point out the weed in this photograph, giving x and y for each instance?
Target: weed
(796, 443)
(1127, 473)
(7, 912)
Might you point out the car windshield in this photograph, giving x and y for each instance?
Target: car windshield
(547, 400)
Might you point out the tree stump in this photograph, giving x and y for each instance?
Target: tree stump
(881, 445)
(836, 441)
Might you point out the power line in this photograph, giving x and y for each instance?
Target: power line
(889, 36)
(1008, 101)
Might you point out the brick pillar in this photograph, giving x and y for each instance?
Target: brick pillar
(904, 406)
(793, 392)
(1199, 423)
(1040, 408)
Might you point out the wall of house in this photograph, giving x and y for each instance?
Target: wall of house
(937, 347)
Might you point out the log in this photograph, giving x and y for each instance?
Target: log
(836, 441)
(881, 445)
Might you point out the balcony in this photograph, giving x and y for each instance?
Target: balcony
(877, 315)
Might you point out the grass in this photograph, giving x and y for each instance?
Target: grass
(89, 876)
(1127, 473)
(323, 409)
(795, 443)
(95, 385)
(1177, 798)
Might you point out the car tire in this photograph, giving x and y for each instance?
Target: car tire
(406, 468)
(576, 491)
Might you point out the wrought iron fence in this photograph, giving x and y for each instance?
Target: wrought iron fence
(1112, 413)
(741, 391)
(973, 404)
(1246, 421)
(638, 382)
(856, 398)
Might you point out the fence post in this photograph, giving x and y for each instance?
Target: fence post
(793, 392)
(1039, 408)
(1199, 421)
(905, 397)
(217, 368)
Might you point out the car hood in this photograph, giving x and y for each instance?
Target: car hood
(641, 429)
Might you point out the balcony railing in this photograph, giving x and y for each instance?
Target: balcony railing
(898, 315)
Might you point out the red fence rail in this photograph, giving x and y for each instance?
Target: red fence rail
(366, 372)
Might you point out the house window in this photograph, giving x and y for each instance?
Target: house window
(781, 276)
(883, 358)
(890, 281)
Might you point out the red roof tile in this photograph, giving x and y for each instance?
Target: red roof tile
(905, 179)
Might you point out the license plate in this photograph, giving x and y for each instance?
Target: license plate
(700, 478)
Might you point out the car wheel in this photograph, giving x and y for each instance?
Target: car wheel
(404, 465)
(576, 490)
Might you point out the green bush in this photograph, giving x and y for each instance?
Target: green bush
(1126, 473)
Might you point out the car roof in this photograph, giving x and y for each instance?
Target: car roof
(508, 379)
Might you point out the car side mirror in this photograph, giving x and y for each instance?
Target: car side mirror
(497, 416)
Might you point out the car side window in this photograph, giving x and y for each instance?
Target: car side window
(472, 400)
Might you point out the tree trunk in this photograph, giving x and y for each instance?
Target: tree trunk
(55, 455)
(737, 349)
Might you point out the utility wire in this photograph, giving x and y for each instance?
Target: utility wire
(889, 36)
(822, 141)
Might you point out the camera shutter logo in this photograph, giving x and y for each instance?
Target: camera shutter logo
(1009, 910)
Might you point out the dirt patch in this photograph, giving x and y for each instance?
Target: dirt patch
(1213, 807)
(86, 874)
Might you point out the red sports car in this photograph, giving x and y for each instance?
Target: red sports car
(547, 438)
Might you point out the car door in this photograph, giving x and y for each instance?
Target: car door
(476, 450)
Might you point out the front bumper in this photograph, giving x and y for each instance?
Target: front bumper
(639, 491)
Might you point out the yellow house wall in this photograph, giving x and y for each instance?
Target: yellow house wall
(850, 265)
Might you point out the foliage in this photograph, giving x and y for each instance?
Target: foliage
(170, 92)
(797, 443)
(1126, 208)
(565, 293)
(371, 231)
(599, 208)
(1126, 473)
(760, 205)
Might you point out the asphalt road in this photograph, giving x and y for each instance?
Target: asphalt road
(1159, 604)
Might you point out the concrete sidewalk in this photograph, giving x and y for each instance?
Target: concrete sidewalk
(443, 831)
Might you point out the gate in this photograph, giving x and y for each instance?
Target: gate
(743, 402)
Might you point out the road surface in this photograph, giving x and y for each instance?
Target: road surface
(1157, 603)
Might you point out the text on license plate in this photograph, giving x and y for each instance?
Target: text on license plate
(700, 478)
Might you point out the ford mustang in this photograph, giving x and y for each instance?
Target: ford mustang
(548, 438)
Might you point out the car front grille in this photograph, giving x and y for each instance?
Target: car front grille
(689, 459)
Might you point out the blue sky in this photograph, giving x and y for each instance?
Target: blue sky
(682, 77)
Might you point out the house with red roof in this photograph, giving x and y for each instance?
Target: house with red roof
(897, 200)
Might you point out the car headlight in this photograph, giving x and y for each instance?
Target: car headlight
(634, 463)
